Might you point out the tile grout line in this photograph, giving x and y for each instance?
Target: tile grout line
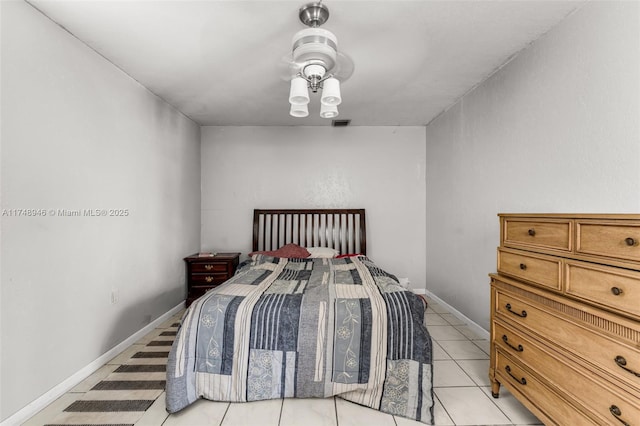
(167, 414)
(450, 358)
(480, 387)
(225, 413)
(444, 408)
(455, 360)
(281, 408)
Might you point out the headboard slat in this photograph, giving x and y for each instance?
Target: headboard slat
(342, 229)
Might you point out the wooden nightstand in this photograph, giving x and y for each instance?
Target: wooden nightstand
(205, 273)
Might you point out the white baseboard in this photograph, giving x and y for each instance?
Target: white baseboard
(57, 391)
(481, 332)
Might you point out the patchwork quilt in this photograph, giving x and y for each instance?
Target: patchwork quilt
(305, 328)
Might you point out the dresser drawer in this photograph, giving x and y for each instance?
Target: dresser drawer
(537, 233)
(520, 381)
(616, 288)
(538, 269)
(611, 239)
(510, 341)
(620, 360)
(569, 378)
(209, 267)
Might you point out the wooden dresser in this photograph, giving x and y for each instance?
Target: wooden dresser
(207, 272)
(565, 317)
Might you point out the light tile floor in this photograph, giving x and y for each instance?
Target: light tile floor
(461, 387)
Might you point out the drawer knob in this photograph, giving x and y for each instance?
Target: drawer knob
(521, 380)
(208, 279)
(522, 315)
(616, 412)
(616, 291)
(532, 232)
(523, 266)
(630, 241)
(208, 267)
(505, 339)
(622, 364)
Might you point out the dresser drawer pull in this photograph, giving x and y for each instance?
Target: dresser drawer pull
(622, 363)
(522, 380)
(523, 266)
(208, 279)
(505, 339)
(617, 291)
(616, 412)
(532, 232)
(522, 315)
(630, 241)
(208, 267)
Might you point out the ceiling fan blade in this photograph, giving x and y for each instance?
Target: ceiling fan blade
(344, 67)
(288, 68)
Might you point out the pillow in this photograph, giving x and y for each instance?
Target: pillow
(324, 252)
(293, 251)
(348, 255)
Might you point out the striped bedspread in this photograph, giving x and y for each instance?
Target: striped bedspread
(305, 328)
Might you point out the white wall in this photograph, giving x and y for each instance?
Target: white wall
(380, 169)
(77, 133)
(556, 130)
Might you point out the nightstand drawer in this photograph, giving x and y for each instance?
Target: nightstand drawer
(616, 288)
(210, 267)
(611, 239)
(208, 279)
(550, 234)
(538, 269)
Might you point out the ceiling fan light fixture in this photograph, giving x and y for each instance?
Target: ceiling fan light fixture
(299, 110)
(315, 45)
(331, 92)
(315, 64)
(299, 93)
(314, 71)
(328, 111)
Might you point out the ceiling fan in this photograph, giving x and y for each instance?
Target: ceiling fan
(315, 63)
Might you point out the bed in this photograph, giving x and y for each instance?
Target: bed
(289, 325)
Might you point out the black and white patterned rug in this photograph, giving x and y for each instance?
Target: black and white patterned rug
(122, 398)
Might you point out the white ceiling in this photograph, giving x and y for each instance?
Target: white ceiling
(218, 61)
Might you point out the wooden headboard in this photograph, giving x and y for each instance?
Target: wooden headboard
(342, 229)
